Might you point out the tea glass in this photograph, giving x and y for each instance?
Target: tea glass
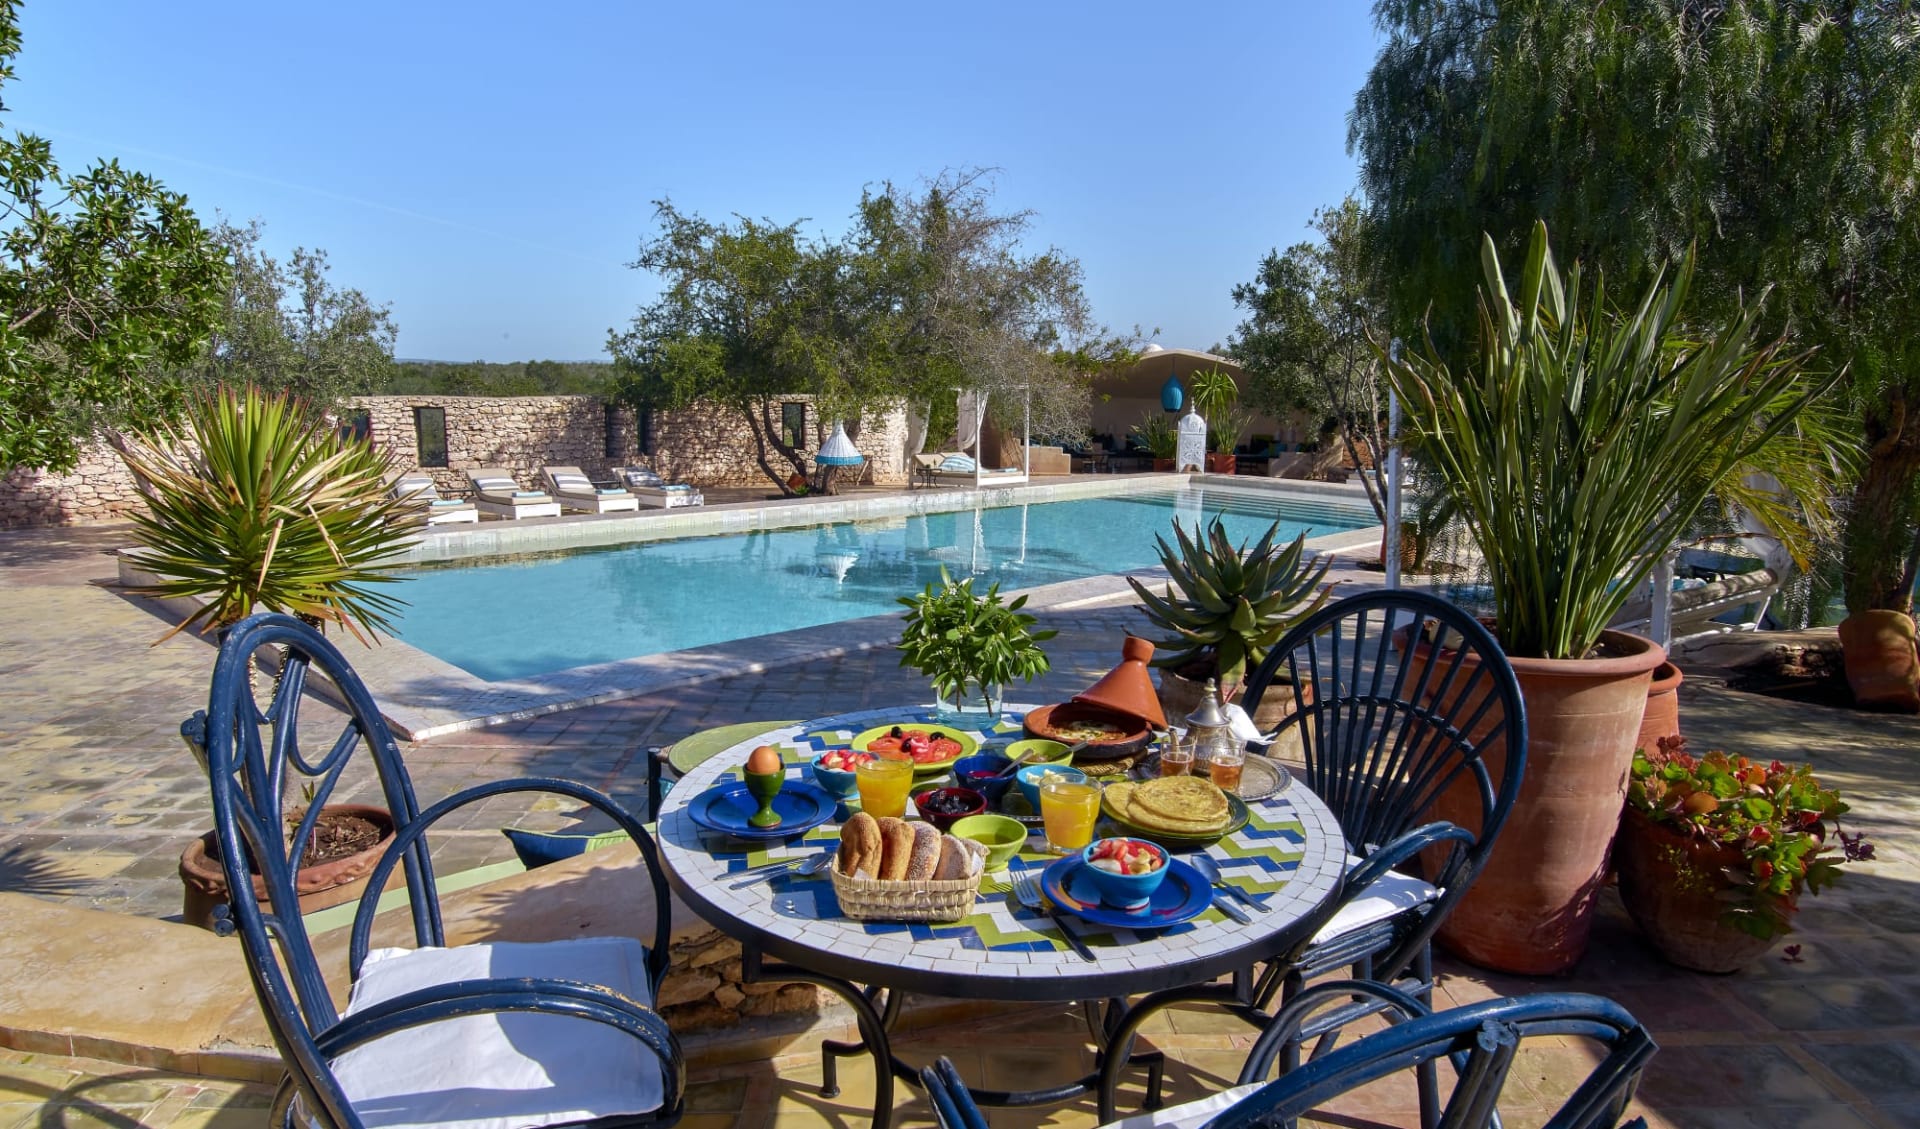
(1069, 809)
(1176, 756)
(884, 783)
(1225, 768)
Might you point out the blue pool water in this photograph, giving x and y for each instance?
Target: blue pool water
(514, 617)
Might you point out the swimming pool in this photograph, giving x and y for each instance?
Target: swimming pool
(502, 618)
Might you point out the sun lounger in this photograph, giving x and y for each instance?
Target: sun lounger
(436, 510)
(1703, 609)
(496, 493)
(571, 486)
(652, 490)
(956, 468)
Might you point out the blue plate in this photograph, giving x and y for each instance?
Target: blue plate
(1182, 896)
(725, 808)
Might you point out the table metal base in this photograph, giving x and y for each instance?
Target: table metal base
(1105, 1021)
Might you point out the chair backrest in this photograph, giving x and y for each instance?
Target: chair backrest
(255, 762)
(1481, 1041)
(568, 480)
(492, 480)
(1408, 712)
(417, 486)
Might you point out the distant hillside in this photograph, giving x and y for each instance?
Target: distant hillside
(491, 378)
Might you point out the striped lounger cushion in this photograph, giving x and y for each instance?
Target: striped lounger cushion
(571, 483)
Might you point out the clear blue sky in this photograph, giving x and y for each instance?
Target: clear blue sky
(487, 169)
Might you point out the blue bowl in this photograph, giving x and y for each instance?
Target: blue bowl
(840, 785)
(1126, 891)
(1030, 775)
(976, 772)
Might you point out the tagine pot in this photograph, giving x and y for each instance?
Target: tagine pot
(1663, 708)
(1530, 911)
(1671, 886)
(329, 884)
(1882, 667)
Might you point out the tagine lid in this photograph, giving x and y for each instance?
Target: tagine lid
(1128, 688)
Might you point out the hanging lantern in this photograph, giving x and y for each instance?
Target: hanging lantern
(1173, 394)
(839, 450)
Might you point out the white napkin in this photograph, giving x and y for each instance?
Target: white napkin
(1241, 725)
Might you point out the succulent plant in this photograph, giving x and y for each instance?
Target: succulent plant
(1232, 603)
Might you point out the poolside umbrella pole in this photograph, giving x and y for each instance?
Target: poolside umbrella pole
(837, 451)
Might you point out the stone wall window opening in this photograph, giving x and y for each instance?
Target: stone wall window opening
(430, 436)
(356, 425)
(643, 430)
(614, 448)
(793, 424)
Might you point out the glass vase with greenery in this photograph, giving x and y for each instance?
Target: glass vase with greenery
(255, 502)
(963, 639)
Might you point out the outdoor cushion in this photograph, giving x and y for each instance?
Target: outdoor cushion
(1390, 894)
(529, 494)
(492, 485)
(505, 1070)
(448, 502)
(956, 462)
(571, 483)
(1191, 1115)
(641, 476)
(538, 848)
(411, 487)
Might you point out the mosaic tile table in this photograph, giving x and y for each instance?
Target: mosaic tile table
(1289, 856)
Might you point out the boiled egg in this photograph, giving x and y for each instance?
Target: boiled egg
(764, 759)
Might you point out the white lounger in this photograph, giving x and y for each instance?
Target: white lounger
(437, 510)
(576, 492)
(936, 468)
(652, 490)
(496, 493)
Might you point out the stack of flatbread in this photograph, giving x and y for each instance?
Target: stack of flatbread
(1175, 805)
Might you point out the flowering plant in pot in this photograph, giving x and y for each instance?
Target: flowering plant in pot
(1223, 606)
(1577, 444)
(1715, 851)
(963, 639)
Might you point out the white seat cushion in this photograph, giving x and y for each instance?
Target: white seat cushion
(416, 487)
(508, 1070)
(1390, 894)
(572, 483)
(1192, 1115)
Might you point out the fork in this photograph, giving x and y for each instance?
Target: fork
(1027, 888)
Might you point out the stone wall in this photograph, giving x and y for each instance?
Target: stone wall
(704, 445)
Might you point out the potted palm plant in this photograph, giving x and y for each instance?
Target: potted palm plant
(970, 644)
(1578, 445)
(1159, 438)
(256, 502)
(1214, 396)
(1223, 606)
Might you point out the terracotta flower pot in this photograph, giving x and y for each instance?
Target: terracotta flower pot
(1531, 910)
(1162, 465)
(1882, 667)
(1663, 708)
(319, 887)
(1671, 885)
(1220, 464)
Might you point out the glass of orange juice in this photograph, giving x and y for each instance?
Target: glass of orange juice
(1069, 809)
(884, 783)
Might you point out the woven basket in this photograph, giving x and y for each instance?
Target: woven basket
(870, 899)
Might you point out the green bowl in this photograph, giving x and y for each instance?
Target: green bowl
(1043, 750)
(1002, 837)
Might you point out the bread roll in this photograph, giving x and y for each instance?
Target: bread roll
(860, 846)
(896, 839)
(954, 859)
(925, 854)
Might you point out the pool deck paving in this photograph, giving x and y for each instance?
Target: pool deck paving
(97, 796)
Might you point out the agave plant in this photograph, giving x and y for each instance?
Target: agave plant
(1233, 603)
(255, 502)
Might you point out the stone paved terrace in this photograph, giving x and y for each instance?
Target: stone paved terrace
(96, 795)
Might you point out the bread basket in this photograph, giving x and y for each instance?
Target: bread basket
(872, 899)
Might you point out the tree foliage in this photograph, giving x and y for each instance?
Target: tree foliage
(499, 378)
(1778, 137)
(108, 284)
(287, 328)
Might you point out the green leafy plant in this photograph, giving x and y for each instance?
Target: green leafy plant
(1223, 433)
(256, 502)
(1233, 603)
(958, 638)
(1581, 442)
(1157, 435)
(1777, 818)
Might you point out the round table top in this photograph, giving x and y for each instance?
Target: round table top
(1290, 855)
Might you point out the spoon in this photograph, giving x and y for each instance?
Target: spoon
(1210, 871)
(810, 866)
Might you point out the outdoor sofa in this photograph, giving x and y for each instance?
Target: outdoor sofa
(438, 510)
(496, 493)
(572, 487)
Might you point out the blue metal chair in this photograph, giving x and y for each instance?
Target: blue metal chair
(1393, 729)
(1479, 1042)
(513, 1034)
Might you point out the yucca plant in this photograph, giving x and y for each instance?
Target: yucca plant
(1232, 603)
(1157, 435)
(1582, 441)
(255, 502)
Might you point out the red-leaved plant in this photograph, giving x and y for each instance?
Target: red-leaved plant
(1777, 818)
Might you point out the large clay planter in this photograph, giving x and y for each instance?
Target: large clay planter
(1663, 708)
(1671, 885)
(1531, 910)
(1882, 668)
(319, 887)
(1220, 464)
